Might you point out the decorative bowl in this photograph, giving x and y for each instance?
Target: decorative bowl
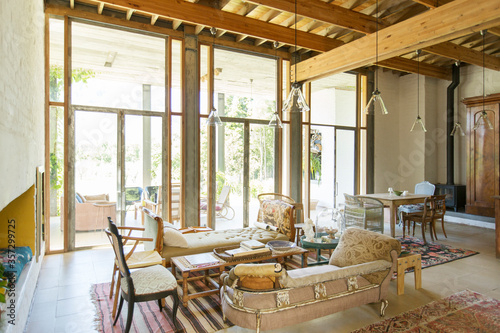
(398, 193)
(279, 245)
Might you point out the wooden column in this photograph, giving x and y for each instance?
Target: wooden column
(191, 173)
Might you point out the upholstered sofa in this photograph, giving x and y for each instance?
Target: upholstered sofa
(172, 242)
(92, 211)
(359, 272)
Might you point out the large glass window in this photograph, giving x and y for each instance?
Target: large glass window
(332, 141)
(117, 64)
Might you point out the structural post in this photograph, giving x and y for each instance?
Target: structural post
(296, 149)
(191, 130)
(370, 136)
(146, 136)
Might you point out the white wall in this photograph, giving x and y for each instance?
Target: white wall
(404, 158)
(21, 95)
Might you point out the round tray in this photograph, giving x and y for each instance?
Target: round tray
(220, 252)
(280, 245)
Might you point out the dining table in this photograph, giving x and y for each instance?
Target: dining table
(393, 201)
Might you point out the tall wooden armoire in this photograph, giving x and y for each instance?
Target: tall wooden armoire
(483, 149)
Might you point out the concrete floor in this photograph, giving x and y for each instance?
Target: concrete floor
(62, 300)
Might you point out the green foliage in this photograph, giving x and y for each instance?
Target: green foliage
(3, 284)
(316, 166)
(56, 77)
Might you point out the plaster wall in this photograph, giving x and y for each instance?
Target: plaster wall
(404, 158)
(21, 96)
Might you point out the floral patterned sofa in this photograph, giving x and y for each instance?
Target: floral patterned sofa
(172, 242)
(360, 270)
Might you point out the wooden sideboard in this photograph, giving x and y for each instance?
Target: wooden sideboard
(483, 149)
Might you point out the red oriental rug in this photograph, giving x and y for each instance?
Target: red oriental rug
(432, 253)
(202, 314)
(466, 311)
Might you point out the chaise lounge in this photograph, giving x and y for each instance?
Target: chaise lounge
(359, 272)
(173, 242)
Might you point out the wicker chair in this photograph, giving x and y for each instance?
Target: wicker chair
(363, 212)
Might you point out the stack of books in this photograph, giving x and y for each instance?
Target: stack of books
(250, 247)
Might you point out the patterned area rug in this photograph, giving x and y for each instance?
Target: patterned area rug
(432, 253)
(202, 314)
(466, 311)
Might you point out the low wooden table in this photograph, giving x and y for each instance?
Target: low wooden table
(219, 265)
(407, 261)
(320, 260)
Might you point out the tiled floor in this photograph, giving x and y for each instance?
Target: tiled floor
(62, 302)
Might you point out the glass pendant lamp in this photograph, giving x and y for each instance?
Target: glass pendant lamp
(213, 118)
(457, 127)
(275, 120)
(296, 91)
(483, 119)
(418, 122)
(376, 98)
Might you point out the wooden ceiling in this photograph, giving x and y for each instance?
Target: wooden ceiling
(322, 26)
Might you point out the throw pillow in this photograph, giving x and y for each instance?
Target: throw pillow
(172, 237)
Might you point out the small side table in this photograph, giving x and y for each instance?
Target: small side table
(407, 261)
(320, 260)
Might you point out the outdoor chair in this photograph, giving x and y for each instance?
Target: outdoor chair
(222, 207)
(424, 217)
(145, 284)
(425, 188)
(134, 259)
(363, 212)
(133, 196)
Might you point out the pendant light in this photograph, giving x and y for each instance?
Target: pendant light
(296, 92)
(418, 120)
(213, 118)
(376, 97)
(275, 120)
(457, 128)
(483, 118)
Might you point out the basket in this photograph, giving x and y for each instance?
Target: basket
(220, 252)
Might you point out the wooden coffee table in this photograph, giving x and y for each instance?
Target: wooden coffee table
(186, 269)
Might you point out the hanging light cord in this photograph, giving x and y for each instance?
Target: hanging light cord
(418, 83)
(483, 32)
(376, 45)
(295, 79)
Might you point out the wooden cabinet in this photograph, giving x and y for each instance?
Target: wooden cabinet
(483, 150)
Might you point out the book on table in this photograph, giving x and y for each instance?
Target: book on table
(239, 252)
(252, 244)
(202, 259)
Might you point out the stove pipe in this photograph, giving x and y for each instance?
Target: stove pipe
(450, 116)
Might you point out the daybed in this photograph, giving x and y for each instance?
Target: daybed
(173, 242)
(359, 272)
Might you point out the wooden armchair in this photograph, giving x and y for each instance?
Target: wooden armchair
(425, 217)
(134, 259)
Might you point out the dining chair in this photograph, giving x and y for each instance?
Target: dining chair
(424, 217)
(425, 188)
(439, 211)
(142, 285)
(134, 259)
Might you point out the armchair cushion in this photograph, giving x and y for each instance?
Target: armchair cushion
(277, 213)
(96, 197)
(173, 237)
(150, 280)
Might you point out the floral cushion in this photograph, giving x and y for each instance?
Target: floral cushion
(357, 246)
(14, 261)
(277, 213)
(150, 280)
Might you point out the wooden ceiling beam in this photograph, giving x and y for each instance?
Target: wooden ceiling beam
(322, 11)
(100, 7)
(154, 18)
(176, 24)
(495, 31)
(130, 12)
(410, 66)
(470, 56)
(198, 14)
(450, 21)
(432, 3)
